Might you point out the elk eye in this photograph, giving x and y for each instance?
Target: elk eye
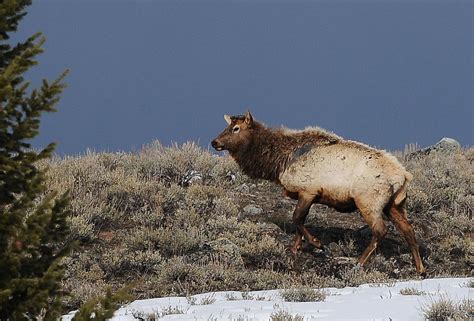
(236, 129)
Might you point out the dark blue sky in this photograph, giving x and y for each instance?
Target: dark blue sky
(383, 72)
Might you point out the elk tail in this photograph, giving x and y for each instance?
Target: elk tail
(401, 193)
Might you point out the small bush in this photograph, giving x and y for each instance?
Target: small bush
(411, 291)
(121, 262)
(470, 284)
(191, 300)
(446, 309)
(283, 315)
(231, 297)
(346, 248)
(156, 315)
(357, 276)
(142, 316)
(303, 294)
(208, 299)
(249, 296)
(171, 310)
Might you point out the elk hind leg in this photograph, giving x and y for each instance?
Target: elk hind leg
(379, 230)
(399, 217)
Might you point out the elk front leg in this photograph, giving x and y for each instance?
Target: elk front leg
(298, 241)
(299, 217)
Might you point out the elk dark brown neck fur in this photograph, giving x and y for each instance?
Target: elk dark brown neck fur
(271, 151)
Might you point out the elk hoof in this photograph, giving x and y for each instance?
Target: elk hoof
(326, 251)
(294, 250)
(316, 243)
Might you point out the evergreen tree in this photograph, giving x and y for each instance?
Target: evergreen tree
(33, 227)
(103, 307)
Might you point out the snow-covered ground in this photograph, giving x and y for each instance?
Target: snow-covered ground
(366, 302)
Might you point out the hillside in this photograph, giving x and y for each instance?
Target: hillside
(179, 220)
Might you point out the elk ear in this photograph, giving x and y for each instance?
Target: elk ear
(248, 118)
(227, 119)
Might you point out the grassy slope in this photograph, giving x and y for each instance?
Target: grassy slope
(149, 218)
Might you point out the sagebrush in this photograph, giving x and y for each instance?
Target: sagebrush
(172, 220)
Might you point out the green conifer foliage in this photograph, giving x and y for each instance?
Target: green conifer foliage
(33, 227)
(102, 308)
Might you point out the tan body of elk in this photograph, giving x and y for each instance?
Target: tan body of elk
(315, 166)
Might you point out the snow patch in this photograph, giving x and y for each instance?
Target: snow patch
(365, 302)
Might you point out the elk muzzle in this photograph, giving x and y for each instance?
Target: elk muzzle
(217, 145)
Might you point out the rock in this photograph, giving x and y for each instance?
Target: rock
(253, 209)
(335, 249)
(230, 176)
(445, 145)
(244, 188)
(270, 227)
(342, 260)
(191, 177)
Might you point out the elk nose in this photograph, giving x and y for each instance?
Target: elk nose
(217, 145)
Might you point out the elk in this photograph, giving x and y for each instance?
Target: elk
(317, 166)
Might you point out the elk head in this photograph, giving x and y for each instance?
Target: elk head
(238, 134)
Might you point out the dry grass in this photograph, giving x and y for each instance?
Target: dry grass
(303, 294)
(446, 309)
(156, 315)
(171, 220)
(283, 315)
(411, 291)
